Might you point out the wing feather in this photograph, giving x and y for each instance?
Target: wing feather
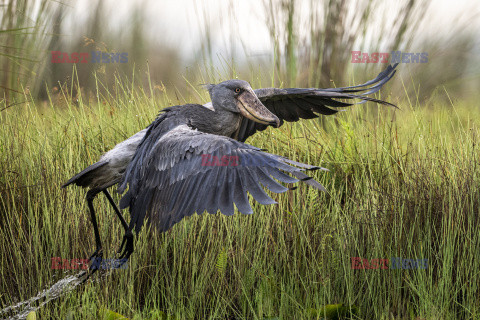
(293, 104)
(171, 182)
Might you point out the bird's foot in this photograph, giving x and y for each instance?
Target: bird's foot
(97, 254)
(96, 259)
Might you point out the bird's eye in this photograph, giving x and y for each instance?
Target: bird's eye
(237, 90)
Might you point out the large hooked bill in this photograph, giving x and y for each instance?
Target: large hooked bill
(252, 108)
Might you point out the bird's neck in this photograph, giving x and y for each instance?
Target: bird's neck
(219, 122)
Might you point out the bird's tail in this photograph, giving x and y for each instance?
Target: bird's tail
(86, 176)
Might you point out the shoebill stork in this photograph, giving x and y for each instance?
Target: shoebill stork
(162, 164)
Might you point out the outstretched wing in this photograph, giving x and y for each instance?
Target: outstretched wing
(292, 104)
(188, 171)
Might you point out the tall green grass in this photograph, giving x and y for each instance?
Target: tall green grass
(27, 30)
(402, 183)
(311, 44)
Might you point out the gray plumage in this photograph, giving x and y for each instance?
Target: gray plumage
(109, 170)
(161, 170)
(175, 184)
(289, 105)
(293, 104)
(166, 180)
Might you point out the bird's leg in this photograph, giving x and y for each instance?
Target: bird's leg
(98, 254)
(126, 248)
(127, 241)
(117, 211)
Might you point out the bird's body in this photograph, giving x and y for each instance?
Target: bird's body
(109, 169)
(177, 183)
(163, 165)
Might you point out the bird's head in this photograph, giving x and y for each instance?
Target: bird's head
(237, 96)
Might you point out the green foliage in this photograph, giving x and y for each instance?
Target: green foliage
(402, 183)
(32, 316)
(110, 315)
(25, 33)
(311, 44)
(221, 261)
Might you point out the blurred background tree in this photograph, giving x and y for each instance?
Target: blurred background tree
(309, 44)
